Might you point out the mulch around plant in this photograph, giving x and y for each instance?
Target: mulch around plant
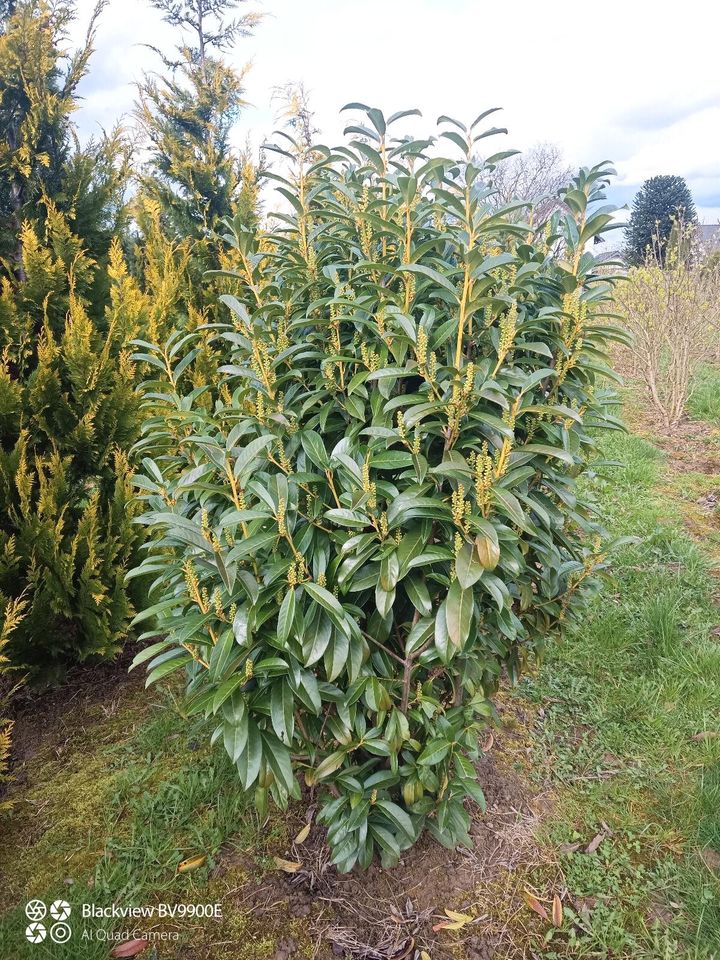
(393, 914)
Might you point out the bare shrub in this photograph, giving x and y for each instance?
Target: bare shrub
(537, 176)
(672, 310)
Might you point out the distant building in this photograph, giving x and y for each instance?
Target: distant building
(708, 235)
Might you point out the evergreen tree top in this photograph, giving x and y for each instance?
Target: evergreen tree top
(207, 21)
(188, 113)
(656, 207)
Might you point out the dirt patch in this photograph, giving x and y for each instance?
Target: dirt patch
(692, 446)
(52, 720)
(393, 914)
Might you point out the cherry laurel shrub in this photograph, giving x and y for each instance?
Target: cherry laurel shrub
(378, 514)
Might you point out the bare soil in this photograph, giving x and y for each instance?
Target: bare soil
(393, 914)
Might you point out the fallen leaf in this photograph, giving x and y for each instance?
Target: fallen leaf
(487, 746)
(191, 864)
(131, 948)
(557, 913)
(459, 920)
(595, 842)
(568, 848)
(303, 835)
(535, 905)
(404, 950)
(705, 735)
(424, 955)
(289, 866)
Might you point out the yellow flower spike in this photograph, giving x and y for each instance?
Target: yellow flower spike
(458, 504)
(400, 420)
(421, 350)
(217, 604)
(469, 379)
(282, 529)
(383, 525)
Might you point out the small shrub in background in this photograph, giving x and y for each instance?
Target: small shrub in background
(671, 306)
(380, 514)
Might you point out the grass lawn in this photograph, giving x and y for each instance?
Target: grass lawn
(631, 736)
(623, 741)
(704, 401)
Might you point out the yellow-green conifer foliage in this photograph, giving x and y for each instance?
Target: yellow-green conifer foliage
(188, 115)
(68, 405)
(11, 615)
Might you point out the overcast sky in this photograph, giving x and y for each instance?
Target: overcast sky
(636, 83)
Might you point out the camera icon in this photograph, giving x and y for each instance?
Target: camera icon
(60, 910)
(35, 932)
(60, 933)
(35, 910)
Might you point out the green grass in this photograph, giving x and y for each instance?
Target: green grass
(624, 695)
(122, 815)
(704, 402)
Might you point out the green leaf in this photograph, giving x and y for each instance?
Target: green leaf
(328, 766)
(282, 707)
(397, 816)
(418, 593)
(347, 518)
(510, 506)
(277, 757)
(286, 616)
(467, 566)
(326, 600)
(458, 614)
(226, 689)
(250, 760)
(235, 737)
(432, 274)
(434, 753)
(248, 455)
(442, 637)
(241, 628)
(168, 667)
(557, 452)
(389, 571)
(315, 449)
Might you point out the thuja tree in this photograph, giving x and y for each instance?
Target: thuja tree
(68, 406)
(188, 116)
(381, 513)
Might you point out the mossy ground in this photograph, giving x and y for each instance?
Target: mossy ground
(614, 736)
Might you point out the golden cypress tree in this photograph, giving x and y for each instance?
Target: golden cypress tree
(188, 115)
(68, 405)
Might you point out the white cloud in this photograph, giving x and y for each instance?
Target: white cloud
(638, 85)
